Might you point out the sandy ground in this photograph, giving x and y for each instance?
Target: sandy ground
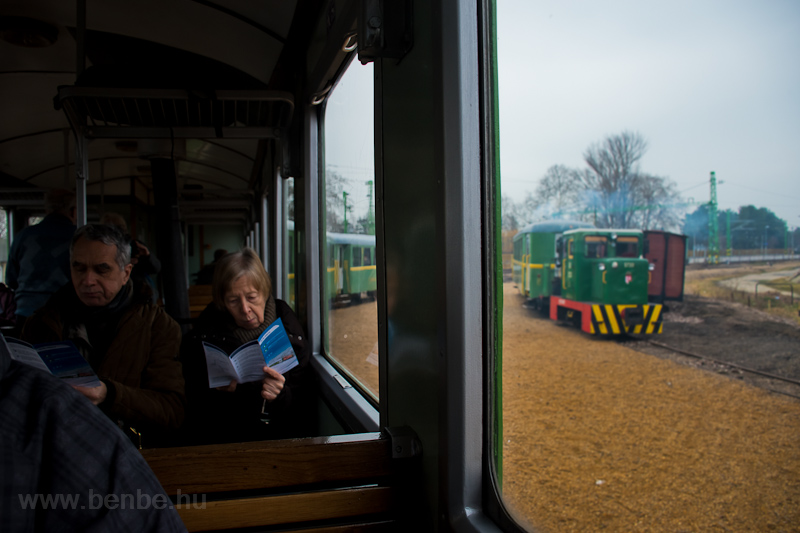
(598, 436)
(354, 340)
(732, 332)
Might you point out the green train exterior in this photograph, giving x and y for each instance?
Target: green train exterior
(604, 280)
(533, 265)
(604, 266)
(351, 270)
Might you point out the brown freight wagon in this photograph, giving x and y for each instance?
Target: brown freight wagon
(667, 252)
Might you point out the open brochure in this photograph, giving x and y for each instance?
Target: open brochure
(245, 364)
(62, 359)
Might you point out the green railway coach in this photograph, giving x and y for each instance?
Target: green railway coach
(351, 268)
(534, 263)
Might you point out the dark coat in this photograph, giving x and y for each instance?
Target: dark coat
(141, 363)
(55, 444)
(216, 416)
(38, 262)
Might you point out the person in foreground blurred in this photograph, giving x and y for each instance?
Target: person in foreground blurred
(278, 406)
(131, 344)
(66, 466)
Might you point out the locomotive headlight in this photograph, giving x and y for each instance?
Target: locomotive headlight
(614, 264)
(601, 267)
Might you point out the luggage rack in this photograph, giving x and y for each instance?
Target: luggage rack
(96, 113)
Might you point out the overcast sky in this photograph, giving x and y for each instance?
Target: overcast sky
(713, 85)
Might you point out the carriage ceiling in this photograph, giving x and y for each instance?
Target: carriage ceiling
(230, 45)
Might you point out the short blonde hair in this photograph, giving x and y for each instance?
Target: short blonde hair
(232, 267)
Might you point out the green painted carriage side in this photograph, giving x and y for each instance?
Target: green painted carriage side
(331, 270)
(611, 279)
(350, 265)
(539, 267)
(534, 261)
(361, 273)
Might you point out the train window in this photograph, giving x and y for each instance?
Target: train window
(4, 243)
(612, 419)
(351, 335)
(292, 254)
(596, 246)
(627, 247)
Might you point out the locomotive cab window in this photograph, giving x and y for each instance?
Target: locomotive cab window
(627, 247)
(596, 246)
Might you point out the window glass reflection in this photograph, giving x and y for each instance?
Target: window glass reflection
(350, 277)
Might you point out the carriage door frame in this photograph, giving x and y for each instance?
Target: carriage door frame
(526, 259)
(339, 265)
(569, 249)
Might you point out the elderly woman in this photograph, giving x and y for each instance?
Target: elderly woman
(277, 406)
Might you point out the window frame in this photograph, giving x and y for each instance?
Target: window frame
(354, 403)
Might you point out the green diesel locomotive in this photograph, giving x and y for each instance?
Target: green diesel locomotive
(596, 278)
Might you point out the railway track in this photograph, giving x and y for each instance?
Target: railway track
(785, 386)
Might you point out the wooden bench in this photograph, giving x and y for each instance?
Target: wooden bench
(199, 297)
(323, 484)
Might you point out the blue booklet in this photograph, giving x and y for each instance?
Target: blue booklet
(245, 364)
(62, 359)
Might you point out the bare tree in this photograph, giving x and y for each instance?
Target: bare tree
(656, 200)
(614, 178)
(518, 214)
(612, 192)
(511, 214)
(334, 201)
(559, 192)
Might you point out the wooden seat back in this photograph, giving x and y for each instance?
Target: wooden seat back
(199, 297)
(314, 484)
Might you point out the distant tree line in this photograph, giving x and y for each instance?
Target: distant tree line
(612, 191)
(751, 228)
(335, 187)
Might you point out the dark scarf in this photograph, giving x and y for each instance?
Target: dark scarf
(247, 335)
(92, 329)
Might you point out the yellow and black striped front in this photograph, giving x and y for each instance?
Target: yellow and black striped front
(609, 319)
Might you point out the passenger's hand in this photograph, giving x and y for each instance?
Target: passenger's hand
(272, 384)
(230, 388)
(143, 250)
(96, 395)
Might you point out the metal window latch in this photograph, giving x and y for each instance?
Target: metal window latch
(405, 443)
(385, 29)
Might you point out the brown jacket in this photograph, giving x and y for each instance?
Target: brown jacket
(141, 362)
